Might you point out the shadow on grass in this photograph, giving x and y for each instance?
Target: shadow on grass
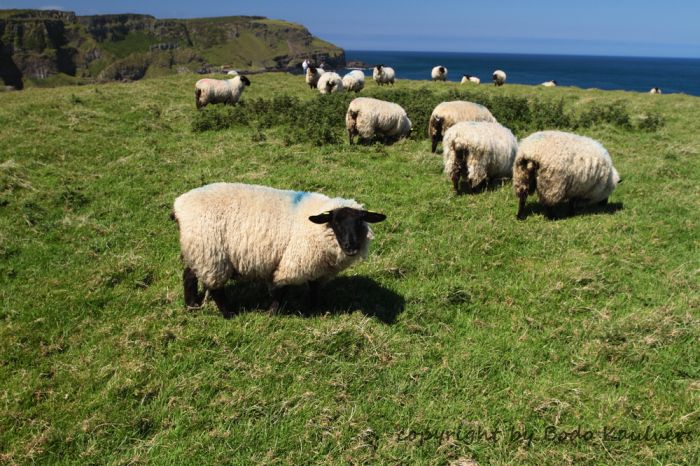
(563, 211)
(340, 296)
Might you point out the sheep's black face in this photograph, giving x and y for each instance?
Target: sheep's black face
(349, 226)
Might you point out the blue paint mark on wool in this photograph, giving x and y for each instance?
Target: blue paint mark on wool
(297, 196)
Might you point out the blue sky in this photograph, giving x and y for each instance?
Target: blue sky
(668, 28)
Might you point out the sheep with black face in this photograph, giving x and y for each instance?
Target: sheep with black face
(249, 232)
(219, 91)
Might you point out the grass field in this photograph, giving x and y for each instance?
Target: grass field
(463, 327)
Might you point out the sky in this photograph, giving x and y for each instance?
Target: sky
(670, 28)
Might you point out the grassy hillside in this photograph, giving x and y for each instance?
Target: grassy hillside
(463, 327)
(38, 45)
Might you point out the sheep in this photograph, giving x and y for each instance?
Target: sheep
(250, 232)
(551, 83)
(312, 76)
(216, 91)
(499, 78)
(368, 117)
(447, 114)
(329, 83)
(439, 73)
(383, 75)
(354, 81)
(467, 78)
(476, 151)
(655, 90)
(562, 167)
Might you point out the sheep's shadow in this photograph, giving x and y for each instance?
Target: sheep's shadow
(563, 211)
(339, 296)
(489, 185)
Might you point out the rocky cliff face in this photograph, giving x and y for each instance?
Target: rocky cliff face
(36, 45)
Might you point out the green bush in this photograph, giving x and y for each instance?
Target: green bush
(321, 120)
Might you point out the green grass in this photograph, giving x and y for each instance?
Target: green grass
(462, 317)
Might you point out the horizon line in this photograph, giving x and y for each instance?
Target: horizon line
(523, 53)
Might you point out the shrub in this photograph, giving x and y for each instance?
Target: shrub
(650, 122)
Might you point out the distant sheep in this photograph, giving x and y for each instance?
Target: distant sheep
(367, 117)
(447, 114)
(467, 79)
(655, 90)
(249, 232)
(218, 91)
(562, 167)
(312, 76)
(354, 81)
(330, 83)
(477, 151)
(499, 78)
(439, 73)
(383, 75)
(551, 83)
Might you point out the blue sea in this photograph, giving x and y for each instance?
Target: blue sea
(612, 73)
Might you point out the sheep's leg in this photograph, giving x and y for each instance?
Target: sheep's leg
(219, 297)
(522, 197)
(278, 296)
(314, 293)
(189, 281)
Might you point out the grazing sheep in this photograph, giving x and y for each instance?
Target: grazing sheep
(219, 91)
(447, 114)
(655, 90)
(562, 167)
(439, 73)
(499, 78)
(329, 83)
(312, 76)
(383, 75)
(354, 81)
(476, 151)
(551, 83)
(248, 232)
(467, 78)
(367, 117)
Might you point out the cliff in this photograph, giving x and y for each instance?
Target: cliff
(39, 46)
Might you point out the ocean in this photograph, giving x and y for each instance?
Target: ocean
(613, 73)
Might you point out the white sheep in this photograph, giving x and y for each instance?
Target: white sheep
(218, 91)
(478, 151)
(329, 83)
(655, 90)
(312, 76)
(467, 79)
(551, 83)
(439, 73)
(367, 117)
(499, 78)
(447, 114)
(562, 167)
(354, 81)
(383, 75)
(248, 232)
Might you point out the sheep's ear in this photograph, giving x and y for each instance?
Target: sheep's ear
(372, 217)
(321, 218)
